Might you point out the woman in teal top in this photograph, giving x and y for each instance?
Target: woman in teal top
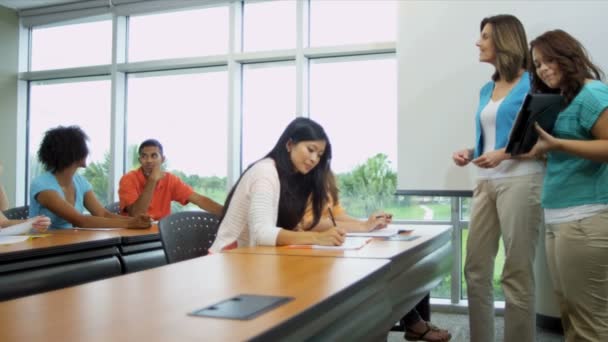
(62, 194)
(575, 190)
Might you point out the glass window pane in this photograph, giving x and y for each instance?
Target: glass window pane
(85, 103)
(422, 208)
(188, 113)
(269, 102)
(337, 22)
(70, 46)
(465, 208)
(355, 99)
(269, 25)
(444, 289)
(179, 34)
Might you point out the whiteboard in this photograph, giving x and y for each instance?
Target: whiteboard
(439, 78)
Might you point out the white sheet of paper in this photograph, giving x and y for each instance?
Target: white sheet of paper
(385, 232)
(17, 229)
(349, 244)
(400, 228)
(78, 228)
(10, 239)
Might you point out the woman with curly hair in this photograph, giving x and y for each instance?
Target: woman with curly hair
(62, 194)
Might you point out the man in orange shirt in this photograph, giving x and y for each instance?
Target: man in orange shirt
(149, 190)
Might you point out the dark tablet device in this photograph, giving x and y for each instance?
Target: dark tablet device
(541, 108)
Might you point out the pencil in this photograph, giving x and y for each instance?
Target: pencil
(331, 216)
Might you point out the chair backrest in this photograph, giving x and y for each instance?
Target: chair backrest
(18, 213)
(114, 208)
(187, 234)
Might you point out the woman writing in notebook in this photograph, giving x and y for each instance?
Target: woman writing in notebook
(575, 189)
(268, 201)
(62, 194)
(506, 198)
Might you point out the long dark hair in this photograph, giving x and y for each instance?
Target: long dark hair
(297, 188)
(572, 59)
(511, 46)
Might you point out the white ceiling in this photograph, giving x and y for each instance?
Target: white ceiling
(25, 4)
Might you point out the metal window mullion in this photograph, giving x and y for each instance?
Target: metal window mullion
(235, 91)
(456, 278)
(21, 161)
(118, 106)
(302, 62)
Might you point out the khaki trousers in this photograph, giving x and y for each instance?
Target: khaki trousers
(577, 255)
(509, 207)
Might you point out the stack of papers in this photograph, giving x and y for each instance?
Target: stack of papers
(18, 233)
(385, 232)
(100, 229)
(350, 243)
(10, 239)
(17, 229)
(389, 231)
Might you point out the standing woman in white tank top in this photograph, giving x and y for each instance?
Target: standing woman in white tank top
(506, 198)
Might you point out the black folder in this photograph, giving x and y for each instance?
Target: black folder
(541, 108)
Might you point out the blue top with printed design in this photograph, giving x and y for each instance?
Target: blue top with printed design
(571, 180)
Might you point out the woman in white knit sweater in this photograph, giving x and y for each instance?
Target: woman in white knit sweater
(268, 201)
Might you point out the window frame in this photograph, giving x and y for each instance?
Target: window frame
(233, 60)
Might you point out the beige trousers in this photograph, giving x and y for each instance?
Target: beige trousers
(577, 255)
(509, 207)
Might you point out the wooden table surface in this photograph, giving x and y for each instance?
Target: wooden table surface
(153, 305)
(59, 238)
(59, 242)
(417, 266)
(378, 248)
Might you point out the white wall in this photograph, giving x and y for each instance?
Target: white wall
(8, 101)
(440, 77)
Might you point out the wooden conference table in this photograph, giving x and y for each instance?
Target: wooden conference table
(69, 257)
(416, 267)
(334, 299)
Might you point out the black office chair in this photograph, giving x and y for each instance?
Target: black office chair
(114, 208)
(187, 234)
(18, 213)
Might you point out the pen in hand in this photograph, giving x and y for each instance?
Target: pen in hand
(331, 216)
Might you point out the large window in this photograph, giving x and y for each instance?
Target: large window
(264, 63)
(268, 106)
(179, 34)
(71, 46)
(187, 112)
(360, 21)
(269, 25)
(85, 103)
(354, 99)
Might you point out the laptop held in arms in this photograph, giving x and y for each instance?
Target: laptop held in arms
(541, 108)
